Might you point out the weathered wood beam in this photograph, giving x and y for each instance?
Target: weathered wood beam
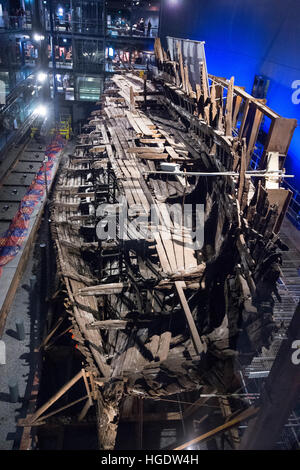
(55, 397)
(118, 324)
(198, 345)
(254, 134)
(244, 415)
(49, 335)
(246, 96)
(243, 168)
(50, 344)
(226, 411)
(101, 289)
(145, 149)
(41, 420)
(229, 104)
(84, 410)
(244, 118)
(85, 379)
(238, 102)
(181, 69)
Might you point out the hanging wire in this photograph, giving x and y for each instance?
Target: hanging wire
(204, 396)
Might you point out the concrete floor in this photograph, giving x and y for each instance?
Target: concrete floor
(19, 360)
(21, 356)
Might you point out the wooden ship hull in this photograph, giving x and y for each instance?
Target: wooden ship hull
(157, 315)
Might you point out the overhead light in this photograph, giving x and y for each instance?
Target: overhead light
(41, 76)
(38, 37)
(41, 110)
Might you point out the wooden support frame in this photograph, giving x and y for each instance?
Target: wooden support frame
(244, 118)
(50, 344)
(246, 96)
(279, 138)
(229, 104)
(244, 415)
(236, 110)
(227, 413)
(55, 397)
(258, 117)
(181, 68)
(281, 130)
(42, 419)
(85, 378)
(49, 335)
(198, 345)
(84, 410)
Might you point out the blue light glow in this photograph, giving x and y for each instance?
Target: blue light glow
(243, 39)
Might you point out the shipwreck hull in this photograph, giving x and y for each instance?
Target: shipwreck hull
(157, 315)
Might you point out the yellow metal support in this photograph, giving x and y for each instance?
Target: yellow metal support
(33, 131)
(64, 127)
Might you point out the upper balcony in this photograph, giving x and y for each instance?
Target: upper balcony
(136, 31)
(16, 108)
(137, 19)
(91, 27)
(16, 23)
(119, 19)
(83, 26)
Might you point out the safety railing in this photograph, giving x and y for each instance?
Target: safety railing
(293, 212)
(84, 26)
(127, 31)
(16, 22)
(90, 26)
(62, 64)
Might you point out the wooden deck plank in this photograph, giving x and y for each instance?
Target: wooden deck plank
(199, 348)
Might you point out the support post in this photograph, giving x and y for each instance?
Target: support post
(13, 390)
(198, 345)
(84, 410)
(20, 329)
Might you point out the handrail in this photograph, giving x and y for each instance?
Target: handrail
(16, 22)
(74, 26)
